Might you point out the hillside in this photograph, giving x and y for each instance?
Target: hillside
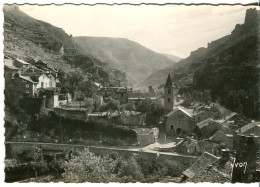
(26, 38)
(172, 57)
(134, 59)
(228, 67)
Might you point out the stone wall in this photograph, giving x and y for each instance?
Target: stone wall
(13, 148)
(72, 113)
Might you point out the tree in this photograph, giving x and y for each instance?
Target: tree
(111, 106)
(35, 158)
(79, 97)
(144, 106)
(89, 167)
(89, 103)
(129, 107)
(207, 96)
(130, 168)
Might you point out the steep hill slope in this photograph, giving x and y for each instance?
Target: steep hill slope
(134, 59)
(228, 67)
(26, 38)
(172, 57)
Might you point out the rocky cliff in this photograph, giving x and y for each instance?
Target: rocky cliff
(229, 67)
(26, 38)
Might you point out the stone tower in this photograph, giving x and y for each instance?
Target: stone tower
(168, 95)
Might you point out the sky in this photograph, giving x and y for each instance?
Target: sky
(171, 29)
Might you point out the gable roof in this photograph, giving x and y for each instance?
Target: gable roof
(9, 64)
(205, 123)
(218, 172)
(186, 111)
(200, 164)
(230, 116)
(22, 61)
(248, 127)
(27, 78)
(219, 132)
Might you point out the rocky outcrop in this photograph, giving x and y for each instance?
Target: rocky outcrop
(26, 37)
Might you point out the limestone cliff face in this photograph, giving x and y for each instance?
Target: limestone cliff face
(26, 38)
(228, 67)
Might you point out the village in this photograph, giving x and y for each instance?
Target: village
(164, 121)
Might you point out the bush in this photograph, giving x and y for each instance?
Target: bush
(130, 168)
(33, 154)
(89, 167)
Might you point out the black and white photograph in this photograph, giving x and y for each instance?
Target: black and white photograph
(131, 93)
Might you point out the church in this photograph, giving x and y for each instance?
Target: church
(178, 120)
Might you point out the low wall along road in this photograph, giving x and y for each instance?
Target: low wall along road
(13, 148)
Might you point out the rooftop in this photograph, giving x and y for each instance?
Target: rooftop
(22, 61)
(9, 64)
(200, 164)
(187, 111)
(27, 78)
(205, 123)
(248, 127)
(219, 132)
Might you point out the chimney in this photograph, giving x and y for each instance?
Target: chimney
(225, 153)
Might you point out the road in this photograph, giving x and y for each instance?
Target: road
(103, 147)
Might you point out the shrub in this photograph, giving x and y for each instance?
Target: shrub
(89, 167)
(130, 168)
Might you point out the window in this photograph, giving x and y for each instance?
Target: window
(27, 85)
(169, 100)
(171, 127)
(122, 95)
(42, 84)
(169, 91)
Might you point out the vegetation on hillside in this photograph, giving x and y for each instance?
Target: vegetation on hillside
(85, 166)
(134, 59)
(228, 68)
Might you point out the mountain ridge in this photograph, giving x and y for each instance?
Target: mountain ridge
(129, 56)
(26, 38)
(228, 67)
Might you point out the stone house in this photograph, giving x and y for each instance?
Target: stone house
(117, 93)
(227, 140)
(40, 64)
(146, 136)
(188, 146)
(179, 122)
(197, 147)
(46, 81)
(207, 128)
(20, 63)
(52, 101)
(251, 129)
(24, 85)
(9, 70)
(209, 168)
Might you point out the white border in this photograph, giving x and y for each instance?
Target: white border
(2, 148)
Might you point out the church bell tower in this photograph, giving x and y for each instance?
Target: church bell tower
(168, 95)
